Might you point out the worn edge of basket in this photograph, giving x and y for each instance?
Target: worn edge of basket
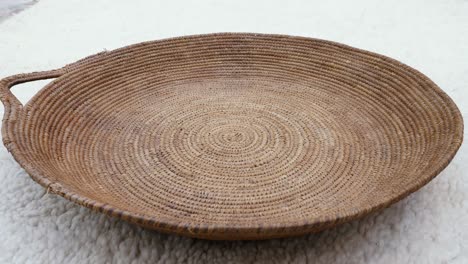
(232, 232)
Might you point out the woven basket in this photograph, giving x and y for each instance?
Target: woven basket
(233, 136)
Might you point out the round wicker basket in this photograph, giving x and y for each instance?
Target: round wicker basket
(233, 135)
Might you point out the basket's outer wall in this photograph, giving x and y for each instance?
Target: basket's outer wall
(447, 140)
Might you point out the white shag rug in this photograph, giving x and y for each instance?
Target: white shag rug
(430, 226)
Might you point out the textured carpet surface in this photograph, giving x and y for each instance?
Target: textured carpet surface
(430, 226)
(11, 7)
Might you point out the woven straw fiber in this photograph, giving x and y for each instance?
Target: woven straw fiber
(233, 136)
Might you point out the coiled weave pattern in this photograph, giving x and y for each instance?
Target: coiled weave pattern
(234, 136)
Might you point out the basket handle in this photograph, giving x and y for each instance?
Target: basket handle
(11, 103)
(8, 99)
